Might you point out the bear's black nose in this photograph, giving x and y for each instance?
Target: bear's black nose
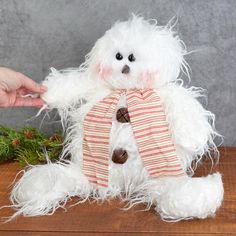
(125, 70)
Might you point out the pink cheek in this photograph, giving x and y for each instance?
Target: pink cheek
(148, 78)
(104, 72)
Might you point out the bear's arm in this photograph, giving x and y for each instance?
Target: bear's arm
(67, 88)
(191, 126)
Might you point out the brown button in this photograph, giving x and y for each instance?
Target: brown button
(122, 115)
(119, 156)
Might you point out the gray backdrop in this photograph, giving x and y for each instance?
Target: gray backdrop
(38, 34)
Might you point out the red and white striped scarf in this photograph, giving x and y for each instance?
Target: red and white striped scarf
(150, 130)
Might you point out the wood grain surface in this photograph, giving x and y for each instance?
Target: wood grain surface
(109, 218)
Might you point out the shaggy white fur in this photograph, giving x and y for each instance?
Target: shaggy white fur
(158, 60)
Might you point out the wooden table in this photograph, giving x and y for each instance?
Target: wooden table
(109, 219)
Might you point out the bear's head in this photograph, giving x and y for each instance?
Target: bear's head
(137, 54)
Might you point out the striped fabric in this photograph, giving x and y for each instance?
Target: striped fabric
(150, 130)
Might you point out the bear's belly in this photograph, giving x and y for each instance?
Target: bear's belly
(122, 138)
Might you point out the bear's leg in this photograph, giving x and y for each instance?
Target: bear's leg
(184, 197)
(44, 188)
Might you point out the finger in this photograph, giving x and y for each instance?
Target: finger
(32, 85)
(22, 91)
(28, 102)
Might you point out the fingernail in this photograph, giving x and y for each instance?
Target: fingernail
(43, 88)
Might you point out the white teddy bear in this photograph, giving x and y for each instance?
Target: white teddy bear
(133, 130)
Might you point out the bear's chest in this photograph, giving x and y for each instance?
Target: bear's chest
(123, 148)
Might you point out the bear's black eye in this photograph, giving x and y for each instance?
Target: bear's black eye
(131, 57)
(119, 56)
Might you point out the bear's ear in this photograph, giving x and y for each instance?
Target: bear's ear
(170, 52)
(93, 57)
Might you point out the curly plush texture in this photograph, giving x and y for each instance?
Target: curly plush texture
(159, 55)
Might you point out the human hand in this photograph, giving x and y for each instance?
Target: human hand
(13, 88)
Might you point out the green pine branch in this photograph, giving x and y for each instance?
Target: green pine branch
(28, 145)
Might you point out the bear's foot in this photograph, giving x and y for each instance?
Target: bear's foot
(186, 198)
(44, 188)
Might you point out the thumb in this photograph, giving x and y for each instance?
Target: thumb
(31, 85)
(10, 84)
